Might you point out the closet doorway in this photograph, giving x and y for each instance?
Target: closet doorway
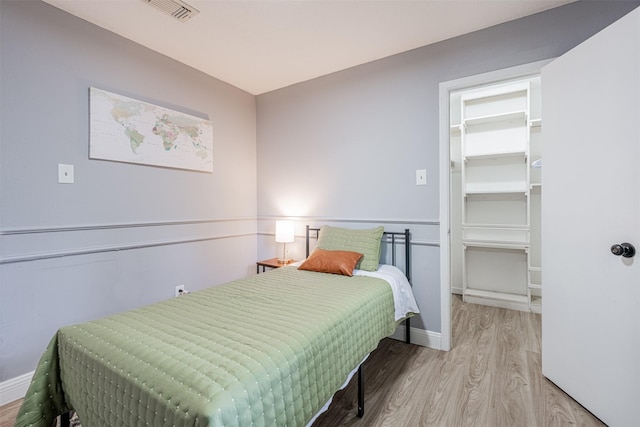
(495, 153)
(491, 185)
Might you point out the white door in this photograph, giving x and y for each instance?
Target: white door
(590, 201)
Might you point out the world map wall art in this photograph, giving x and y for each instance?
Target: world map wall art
(127, 130)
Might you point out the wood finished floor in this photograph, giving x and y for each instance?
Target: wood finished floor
(491, 377)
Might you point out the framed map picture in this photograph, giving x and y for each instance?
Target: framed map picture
(126, 130)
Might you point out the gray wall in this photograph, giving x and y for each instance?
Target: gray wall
(346, 146)
(341, 149)
(49, 61)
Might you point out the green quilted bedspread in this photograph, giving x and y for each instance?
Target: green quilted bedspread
(268, 350)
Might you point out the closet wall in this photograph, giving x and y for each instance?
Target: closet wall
(496, 185)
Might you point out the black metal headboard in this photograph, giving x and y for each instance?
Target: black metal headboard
(389, 235)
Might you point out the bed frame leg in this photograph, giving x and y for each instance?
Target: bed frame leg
(360, 393)
(65, 419)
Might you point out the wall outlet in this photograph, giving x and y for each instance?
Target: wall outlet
(421, 177)
(179, 290)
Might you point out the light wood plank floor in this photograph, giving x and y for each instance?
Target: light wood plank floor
(491, 377)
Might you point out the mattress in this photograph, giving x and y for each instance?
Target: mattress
(267, 350)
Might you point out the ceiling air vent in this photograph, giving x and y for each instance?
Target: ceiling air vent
(176, 8)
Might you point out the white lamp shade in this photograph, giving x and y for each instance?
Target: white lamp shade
(284, 231)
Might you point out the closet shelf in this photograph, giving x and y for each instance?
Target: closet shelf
(522, 246)
(512, 227)
(498, 154)
(489, 94)
(493, 118)
(486, 189)
(511, 235)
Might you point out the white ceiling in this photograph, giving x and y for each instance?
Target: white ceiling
(262, 45)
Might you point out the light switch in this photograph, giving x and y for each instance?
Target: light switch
(65, 174)
(421, 177)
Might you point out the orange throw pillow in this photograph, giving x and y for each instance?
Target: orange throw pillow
(334, 262)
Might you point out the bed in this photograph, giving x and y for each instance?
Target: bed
(270, 349)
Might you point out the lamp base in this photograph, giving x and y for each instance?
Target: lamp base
(284, 261)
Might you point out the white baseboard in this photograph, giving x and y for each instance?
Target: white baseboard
(420, 337)
(511, 302)
(15, 388)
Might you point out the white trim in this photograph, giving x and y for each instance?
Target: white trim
(94, 227)
(15, 388)
(113, 248)
(316, 219)
(496, 299)
(414, 242)
(420, 337)
(445, 228)
(445, 165)
(494, 302)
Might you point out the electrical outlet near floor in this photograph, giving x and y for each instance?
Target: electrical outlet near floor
(179, 290)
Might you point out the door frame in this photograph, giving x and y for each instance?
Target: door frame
(445, 90)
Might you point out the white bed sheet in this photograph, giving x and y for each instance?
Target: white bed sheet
(403, 298)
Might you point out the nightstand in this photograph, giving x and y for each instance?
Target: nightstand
(271, 263)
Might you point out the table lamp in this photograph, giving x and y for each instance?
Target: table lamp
(284, 235)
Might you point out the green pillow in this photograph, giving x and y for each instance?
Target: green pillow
(366, 242)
